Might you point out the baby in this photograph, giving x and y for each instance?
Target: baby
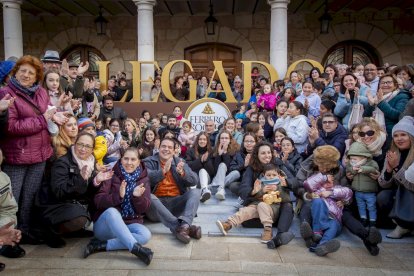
(359, 166)
(269, 191)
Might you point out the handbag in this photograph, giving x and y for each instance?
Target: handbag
(379, 117)
(356, 114)
(403, 205)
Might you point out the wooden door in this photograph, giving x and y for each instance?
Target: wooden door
(202, 55)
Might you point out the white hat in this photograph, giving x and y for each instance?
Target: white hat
(406, 124)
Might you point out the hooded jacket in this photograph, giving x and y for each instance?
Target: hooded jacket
(297, 128)
(362, 182)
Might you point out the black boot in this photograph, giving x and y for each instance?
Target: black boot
(143, 253)
(12, 251)
(53, 239)
(94, 246)
(364, 222)
(280, 239)
(2, 267)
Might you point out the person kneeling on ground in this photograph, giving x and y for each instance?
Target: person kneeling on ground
(120, 204)
(172, 201)
(326, 211)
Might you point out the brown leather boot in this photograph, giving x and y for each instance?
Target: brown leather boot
(182, 233)
(195, 232)
(224, 226)
(267, 234)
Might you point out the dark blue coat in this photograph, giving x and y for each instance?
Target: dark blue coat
(335, 138)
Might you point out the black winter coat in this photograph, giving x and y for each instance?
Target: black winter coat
(196, 164)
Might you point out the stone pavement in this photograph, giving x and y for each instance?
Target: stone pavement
(240, 253)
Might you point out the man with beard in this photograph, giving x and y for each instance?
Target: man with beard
(109, 111)
(171, 125)
(371, 78)
(173, 202)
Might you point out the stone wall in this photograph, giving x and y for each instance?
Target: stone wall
(388, 31)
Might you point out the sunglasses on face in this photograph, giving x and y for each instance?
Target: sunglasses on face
(369, 133)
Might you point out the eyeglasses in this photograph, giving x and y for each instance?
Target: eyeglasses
(386, 82)
(328, 122)
(83, 146)
(250, 142)
(369, 133)
(114, 125)
(370, 70)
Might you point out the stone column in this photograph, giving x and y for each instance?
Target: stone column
(12, 22)
(278, 35)
(145, 32)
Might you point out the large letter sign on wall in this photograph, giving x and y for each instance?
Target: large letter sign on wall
(218, 68)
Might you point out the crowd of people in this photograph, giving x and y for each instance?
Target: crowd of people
(335, 148)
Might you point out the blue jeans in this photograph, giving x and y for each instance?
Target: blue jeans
(111, 227)
(367, 201)
(321, 222)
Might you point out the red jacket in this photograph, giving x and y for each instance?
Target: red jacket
(108, 196)
(27, 140)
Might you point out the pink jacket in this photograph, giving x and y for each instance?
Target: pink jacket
(269, 101)
(314, 185)
(27, 140)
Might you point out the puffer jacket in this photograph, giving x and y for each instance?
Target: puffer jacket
(339, 193)
(362, 182)
(27, 140)
(269, 101)
(108, 196)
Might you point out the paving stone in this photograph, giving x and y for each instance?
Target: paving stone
(321, 270)
(210, 251)
(301, 255)
(168, 247)
(180, 273)
(253, 253)
(23, 272)
(178, 265)
(268, 268)
(384, 260)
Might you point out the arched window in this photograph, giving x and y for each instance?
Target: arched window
(351, 52)
(81, 53)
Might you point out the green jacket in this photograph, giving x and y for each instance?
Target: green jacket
(362, 182)
(8, 205)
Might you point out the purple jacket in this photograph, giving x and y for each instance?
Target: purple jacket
(27, 140)
(269, 101)
(339, 193)
(108, 196)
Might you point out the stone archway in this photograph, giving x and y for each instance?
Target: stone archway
(88, 36)
(223, 35)
(384, 44)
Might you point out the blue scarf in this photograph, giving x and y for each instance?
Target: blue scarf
(127, 210)
(28, 91)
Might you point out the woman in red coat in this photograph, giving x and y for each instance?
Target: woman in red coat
(120, 205)
(26, 143)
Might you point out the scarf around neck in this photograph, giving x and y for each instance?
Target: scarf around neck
(376, 147)
(127, 210)
(90, 162)
(28, 91)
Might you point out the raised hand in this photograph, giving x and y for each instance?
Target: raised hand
(60, 118)
(139, 190)
(347, 95)
(64, 68)
(83, 67)
(167, 166)
(6, 102)
(256, 187)
(180, 167)
(122, 189)
(247, 160)
(103, 176)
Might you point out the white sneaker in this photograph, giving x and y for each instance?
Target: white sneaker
(221, 194)
(398, 233)
(205, 194)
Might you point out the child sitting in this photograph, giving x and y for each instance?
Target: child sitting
(187, 137)
(267, 101)
(269, 191)
(326, 212)
(360, 165)
(242, 113)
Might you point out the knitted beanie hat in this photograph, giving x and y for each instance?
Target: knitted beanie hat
(406, 124)
(326, 156)
(84, 123)
(5, 68)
